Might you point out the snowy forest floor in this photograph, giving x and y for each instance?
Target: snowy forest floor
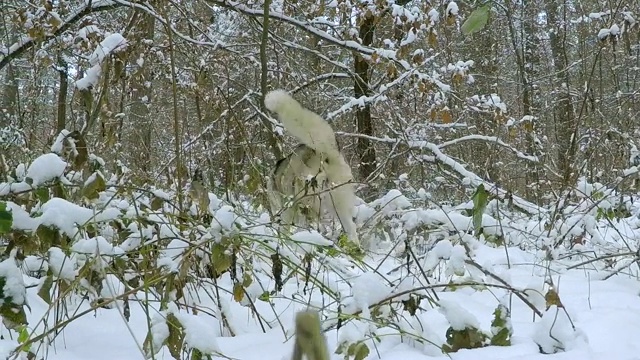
(607, 312)
(110, 272)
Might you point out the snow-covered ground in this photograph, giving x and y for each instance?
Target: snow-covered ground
(606, 314)
(571, 285)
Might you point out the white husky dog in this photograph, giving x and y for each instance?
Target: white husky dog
(315, 175)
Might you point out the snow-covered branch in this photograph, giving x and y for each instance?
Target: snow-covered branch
(187, 145)
(474, 179)
(491, 139)
(364, 100)
(26, 42)
(317, 53)
(149, 10)
(111, 44)
(308, 26)
(319, 78)
(424, 144)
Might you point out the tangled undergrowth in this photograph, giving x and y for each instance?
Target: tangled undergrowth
(195, 264)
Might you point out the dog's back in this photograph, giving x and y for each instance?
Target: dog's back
(315, 175)
(295, 179)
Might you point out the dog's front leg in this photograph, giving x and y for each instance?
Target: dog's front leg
(342, 201)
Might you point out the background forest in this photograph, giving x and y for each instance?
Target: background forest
(135, 146)
(536, 99)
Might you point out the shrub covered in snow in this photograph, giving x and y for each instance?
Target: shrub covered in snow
(192, 273)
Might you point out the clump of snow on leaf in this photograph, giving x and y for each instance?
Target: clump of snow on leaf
(91, 77)
(459, 318)
(111, 44)
(97, 250)
(223, 220)
(453, 221)
(21, 218)
(614, 30)
(368, 289)
(456, 261)
(554, 332)
(353, 331)
(603, 34)
(34, 264)
(392, 202)
(487, 102)
(434, 15)
(13, 289)
(66, 216)
(161, 194)
(441, 251)
(628, 17)
(21, 172)
(252, 293)
(599, 15)
(586, 189)
(58, 145)
(460, 67)
(84, 32)
(172, 255)
(112, 287)
(61, 265)
(200, 332)
(96, 246)
(45, 168)
(452, 8)
(309, 239)
(158, 332)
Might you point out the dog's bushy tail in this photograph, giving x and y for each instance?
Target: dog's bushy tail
(315, 132)
(308, 127)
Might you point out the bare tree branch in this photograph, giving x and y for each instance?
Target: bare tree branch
(459, 168)
(26, 42)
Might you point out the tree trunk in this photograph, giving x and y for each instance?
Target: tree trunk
(9, 97)
(61, 117)
(563, 111)
(365, 151)
(140, 114)
(526, 49)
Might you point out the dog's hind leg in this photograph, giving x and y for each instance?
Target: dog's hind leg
(275, 200)
(342, 202)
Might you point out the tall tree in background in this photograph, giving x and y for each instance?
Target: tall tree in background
(564, 119)
(366, 153)
(141, 86)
